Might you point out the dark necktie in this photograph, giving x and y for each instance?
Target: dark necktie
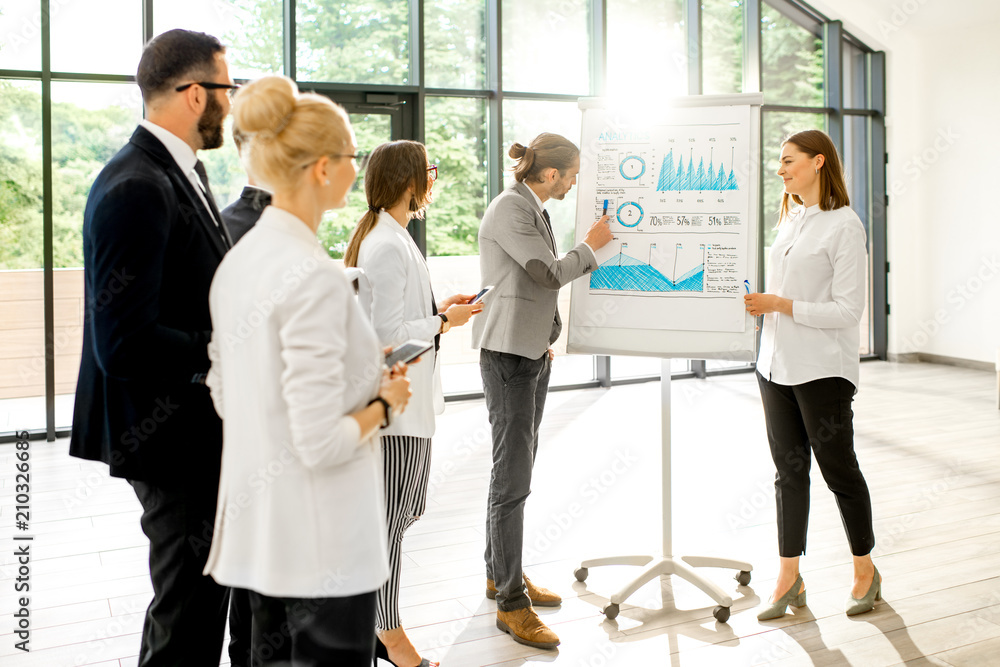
(548, 225)
(199, 168)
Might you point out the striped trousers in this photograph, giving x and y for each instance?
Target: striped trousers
(406, 465)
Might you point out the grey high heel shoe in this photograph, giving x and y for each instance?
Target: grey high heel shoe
(777, 607)
(857, 606)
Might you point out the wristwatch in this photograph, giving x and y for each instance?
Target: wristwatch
(388, 410)
(445, 324)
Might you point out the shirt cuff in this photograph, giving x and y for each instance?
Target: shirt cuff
(584, 243)
(351, 432)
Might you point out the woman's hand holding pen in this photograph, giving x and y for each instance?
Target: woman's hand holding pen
(761, 304)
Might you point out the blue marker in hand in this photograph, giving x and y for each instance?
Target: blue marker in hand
(605, 208)
(746, 283)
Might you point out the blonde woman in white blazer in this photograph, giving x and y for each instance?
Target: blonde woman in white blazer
(395, 293)
(297, 376)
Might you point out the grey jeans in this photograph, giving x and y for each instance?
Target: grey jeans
(515, 389)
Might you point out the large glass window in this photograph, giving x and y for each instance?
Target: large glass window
(90, 123)
(523, 120)
(74, 25)
(791, 61)
(353, 42)
(22, 326)
(722, 46)
(335, 229)
(647, 48)
(250, 29)
(21, 27)
(546, 46)
(455, 134)
(778, 126)
(455, 44)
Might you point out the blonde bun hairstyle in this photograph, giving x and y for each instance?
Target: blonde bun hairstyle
(287, 130)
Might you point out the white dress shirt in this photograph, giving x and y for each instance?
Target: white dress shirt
(301, 509)
(185, 158)
(818, 261)
(395, 293)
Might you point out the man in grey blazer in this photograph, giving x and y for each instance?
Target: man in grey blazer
(519, 257)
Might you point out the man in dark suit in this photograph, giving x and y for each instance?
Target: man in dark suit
(242, 214)
(152, 240)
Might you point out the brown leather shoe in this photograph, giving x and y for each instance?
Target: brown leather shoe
(524, 627)
(540, 597)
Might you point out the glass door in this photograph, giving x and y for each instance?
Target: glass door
(376, 119)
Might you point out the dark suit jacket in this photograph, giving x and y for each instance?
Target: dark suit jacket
(150, 251)
(243, 213)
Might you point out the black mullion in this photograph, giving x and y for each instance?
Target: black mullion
(47, 252)
(288, 38)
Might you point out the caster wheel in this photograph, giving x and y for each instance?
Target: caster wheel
(611, 611)
(743, 578)
(721, 614)
(581, 573)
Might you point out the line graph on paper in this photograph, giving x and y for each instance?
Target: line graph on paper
(672, 269)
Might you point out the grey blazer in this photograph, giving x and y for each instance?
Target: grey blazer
(518, 256)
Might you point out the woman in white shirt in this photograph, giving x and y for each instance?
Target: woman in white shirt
(807, 367)
(395, 293)
(297, 375)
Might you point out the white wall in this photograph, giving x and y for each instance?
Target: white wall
(944, 149)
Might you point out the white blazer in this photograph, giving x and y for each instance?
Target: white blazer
(301, 509)
(395, 293)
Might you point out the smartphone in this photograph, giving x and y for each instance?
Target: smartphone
(407, 352)
(482, 293)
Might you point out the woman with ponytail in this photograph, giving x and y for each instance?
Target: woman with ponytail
(395, 293)
(297, 376)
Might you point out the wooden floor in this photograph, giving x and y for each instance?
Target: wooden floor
(928, 438)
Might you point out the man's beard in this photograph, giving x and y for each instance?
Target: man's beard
(210, 123)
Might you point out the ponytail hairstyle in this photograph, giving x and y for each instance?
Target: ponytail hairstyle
(285, 130)
(832, 186)
(392, 168)
(546, 151)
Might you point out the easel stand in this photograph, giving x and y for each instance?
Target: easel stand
(667, 564)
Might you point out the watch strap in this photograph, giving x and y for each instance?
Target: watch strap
(387, 420)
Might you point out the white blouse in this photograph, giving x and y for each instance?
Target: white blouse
(395, 293)
(818, 261)
(301, 510)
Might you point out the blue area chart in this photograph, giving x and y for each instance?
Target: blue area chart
(681, 176)
(626, 274)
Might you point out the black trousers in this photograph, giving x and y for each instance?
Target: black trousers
(186, 621)
(808, 419)
(240, 627)
(313, 632)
